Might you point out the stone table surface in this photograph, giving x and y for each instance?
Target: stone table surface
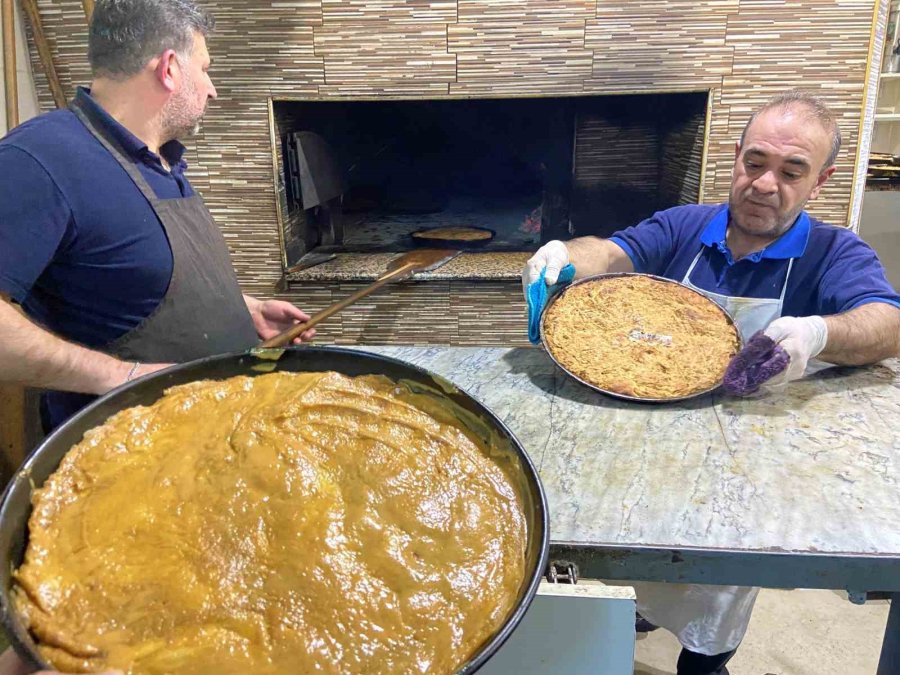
(813, 469)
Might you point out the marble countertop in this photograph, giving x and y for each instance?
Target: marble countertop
(368, 266)
(814, 469)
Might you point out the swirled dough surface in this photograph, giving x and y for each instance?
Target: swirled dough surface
(640, 336)
(283, 523)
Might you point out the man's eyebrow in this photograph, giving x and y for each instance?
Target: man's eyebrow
(796, 161)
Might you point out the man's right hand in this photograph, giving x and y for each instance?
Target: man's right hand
(554, 256)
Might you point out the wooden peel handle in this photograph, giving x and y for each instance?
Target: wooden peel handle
(287, 337)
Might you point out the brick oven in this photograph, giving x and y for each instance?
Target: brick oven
(362, 176)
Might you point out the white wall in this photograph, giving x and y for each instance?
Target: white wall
(879, 226)
(28, 103)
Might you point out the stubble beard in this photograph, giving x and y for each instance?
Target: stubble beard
(179, 119)
(781, 225)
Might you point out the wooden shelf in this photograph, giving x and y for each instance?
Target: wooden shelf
(887, 117)
(889, 76)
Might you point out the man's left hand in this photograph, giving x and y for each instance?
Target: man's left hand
(271, 317)
(803, 338)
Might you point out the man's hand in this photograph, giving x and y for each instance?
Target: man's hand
(271, 317)
(802, 338)
(589, 255)
(554, 256)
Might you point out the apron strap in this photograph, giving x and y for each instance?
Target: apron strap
(112, 145)
(787, 276)
(687, 277)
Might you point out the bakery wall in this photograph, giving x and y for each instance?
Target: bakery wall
(743, 51)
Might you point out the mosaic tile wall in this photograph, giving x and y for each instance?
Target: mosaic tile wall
(743, 50)
(683, 150)
(601, 146)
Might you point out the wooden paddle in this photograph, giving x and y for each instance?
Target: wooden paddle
(403, 267)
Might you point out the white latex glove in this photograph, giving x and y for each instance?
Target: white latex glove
(553, 255)
(803, 338)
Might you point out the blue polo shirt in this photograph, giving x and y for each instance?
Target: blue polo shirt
(81, 249)
(833, 270)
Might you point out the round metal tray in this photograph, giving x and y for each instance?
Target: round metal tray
(616, 394)
(15, 508)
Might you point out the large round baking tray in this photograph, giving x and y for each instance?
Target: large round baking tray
(616, 394)
(15, 508)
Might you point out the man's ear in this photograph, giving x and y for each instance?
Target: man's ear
(737, 154)
(821, 180)
(168, 70)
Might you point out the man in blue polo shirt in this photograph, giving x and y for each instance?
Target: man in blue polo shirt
(116, 262)
(814, 289)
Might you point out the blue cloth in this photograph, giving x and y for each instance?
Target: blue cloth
(537, 295)
(80, 247)
(834, 270)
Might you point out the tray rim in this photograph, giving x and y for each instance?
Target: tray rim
(619, 395)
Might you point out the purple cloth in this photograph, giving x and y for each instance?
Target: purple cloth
(760, 360)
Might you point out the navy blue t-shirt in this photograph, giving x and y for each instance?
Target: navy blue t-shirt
(833, 270)
(81, 249)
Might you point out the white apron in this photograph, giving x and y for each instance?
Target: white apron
(710, 619)
(750, 314)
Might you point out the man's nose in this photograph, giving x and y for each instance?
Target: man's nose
(766, 183)
(213, 94)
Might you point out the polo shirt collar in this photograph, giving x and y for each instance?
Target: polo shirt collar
(131, 145)
(791, 244)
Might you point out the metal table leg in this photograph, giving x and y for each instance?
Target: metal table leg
(889, 663)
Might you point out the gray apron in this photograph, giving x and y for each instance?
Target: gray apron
(203, 311)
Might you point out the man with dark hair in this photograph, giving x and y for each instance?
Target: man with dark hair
(811, 289)
(113, 257)
(125, 35)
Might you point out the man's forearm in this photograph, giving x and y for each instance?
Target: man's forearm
(863, 335)
(31, 356)
(592, 255)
